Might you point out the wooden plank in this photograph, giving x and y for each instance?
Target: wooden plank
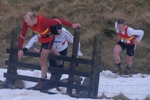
(22, 65)
(74, 57)
(94, 81)
(53, 83)
(37, 67)
(13, 57)
(65, 58)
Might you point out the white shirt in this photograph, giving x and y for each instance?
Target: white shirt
(60, 43)
(131, 32)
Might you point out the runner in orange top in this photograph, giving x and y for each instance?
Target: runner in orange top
(41, 26)
(128, 38)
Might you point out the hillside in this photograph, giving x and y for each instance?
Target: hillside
(94, 16)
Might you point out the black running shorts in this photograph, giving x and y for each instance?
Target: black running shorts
(129, 48)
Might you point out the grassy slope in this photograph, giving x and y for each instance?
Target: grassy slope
(94, 15)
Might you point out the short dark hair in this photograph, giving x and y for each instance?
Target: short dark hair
(58, 26)
(121, 21)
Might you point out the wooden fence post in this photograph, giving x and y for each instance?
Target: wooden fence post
(12, 56)
(93, 84)
(96, 67)
(74, 56)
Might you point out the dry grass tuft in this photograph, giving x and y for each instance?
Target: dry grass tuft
(117, 97)
(120, 97)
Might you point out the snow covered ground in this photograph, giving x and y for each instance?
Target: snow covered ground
(135, 87)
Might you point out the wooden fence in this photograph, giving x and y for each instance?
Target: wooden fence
(89, 87)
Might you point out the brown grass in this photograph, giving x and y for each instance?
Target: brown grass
(94, 16)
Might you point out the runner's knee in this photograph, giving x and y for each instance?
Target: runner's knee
(42, 61)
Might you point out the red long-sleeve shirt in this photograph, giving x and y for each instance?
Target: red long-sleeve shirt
(42, 27)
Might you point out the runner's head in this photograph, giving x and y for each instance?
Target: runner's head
(56, 29)
(59, 28)
(30, 18)
(121, 24)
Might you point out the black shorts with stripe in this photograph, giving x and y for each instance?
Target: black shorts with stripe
(48, 45)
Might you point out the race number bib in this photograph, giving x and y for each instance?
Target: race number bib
(125, 41)
(58, 46)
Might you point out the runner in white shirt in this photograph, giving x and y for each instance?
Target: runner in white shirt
(128, 38)
(61, 45)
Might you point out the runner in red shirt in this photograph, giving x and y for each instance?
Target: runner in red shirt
(128, 38)
(41, 26)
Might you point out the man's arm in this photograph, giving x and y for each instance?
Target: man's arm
(117, 31)
(22, 35)
(21, 39)
(64, 22)
(53, 22)
(28, 46)
(32, 41)
(138, 33)
(70, 38)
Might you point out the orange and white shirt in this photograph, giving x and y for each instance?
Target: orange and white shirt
(42, 28)
(129, 34)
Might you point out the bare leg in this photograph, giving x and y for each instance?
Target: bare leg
(56, 76)
(53, 51)
(129, 64)
(129, 60)
(116, 52)
(43, 59)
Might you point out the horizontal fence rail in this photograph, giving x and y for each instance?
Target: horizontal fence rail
(53, 83)
(37, 67)
(88, 88)
(64, 58)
